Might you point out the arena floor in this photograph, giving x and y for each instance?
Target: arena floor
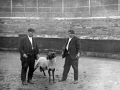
(94, 74)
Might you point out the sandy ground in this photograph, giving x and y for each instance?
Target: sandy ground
(94, 74)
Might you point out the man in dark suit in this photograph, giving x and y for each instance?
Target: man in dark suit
(71, 53)
(29, 51)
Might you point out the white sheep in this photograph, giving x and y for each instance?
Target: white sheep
(47, 63)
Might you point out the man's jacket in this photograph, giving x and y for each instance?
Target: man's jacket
(25, 47)
(73, 49)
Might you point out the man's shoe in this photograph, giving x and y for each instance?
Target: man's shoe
(30, 81)
(24, 83)
(62, 80)
(75, 82)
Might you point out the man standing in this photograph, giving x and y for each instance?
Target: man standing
(71, 53)
(28, 49)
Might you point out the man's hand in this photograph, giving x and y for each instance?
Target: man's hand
(62, 53)
(38, 56)
(78, 55)
(25, 56)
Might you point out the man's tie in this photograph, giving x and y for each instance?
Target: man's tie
(32, 44)
(68, 43)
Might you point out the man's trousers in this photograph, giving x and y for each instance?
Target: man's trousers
(68, 63)
(29, 62)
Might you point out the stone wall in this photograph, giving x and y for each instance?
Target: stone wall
(85, 28)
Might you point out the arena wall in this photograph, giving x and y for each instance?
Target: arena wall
(89, 47)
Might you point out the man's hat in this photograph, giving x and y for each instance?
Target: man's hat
(31, 30)
(71, 31)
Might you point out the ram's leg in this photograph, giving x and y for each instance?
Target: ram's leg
(49, 75)
(53, 72)
(44, 73)
(42, 70)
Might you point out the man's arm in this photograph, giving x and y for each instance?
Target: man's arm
(64, 49)
(37, 49)
(78, 47)
(21, 46)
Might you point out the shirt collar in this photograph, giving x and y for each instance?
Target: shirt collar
(30, 37)
(70, 38)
